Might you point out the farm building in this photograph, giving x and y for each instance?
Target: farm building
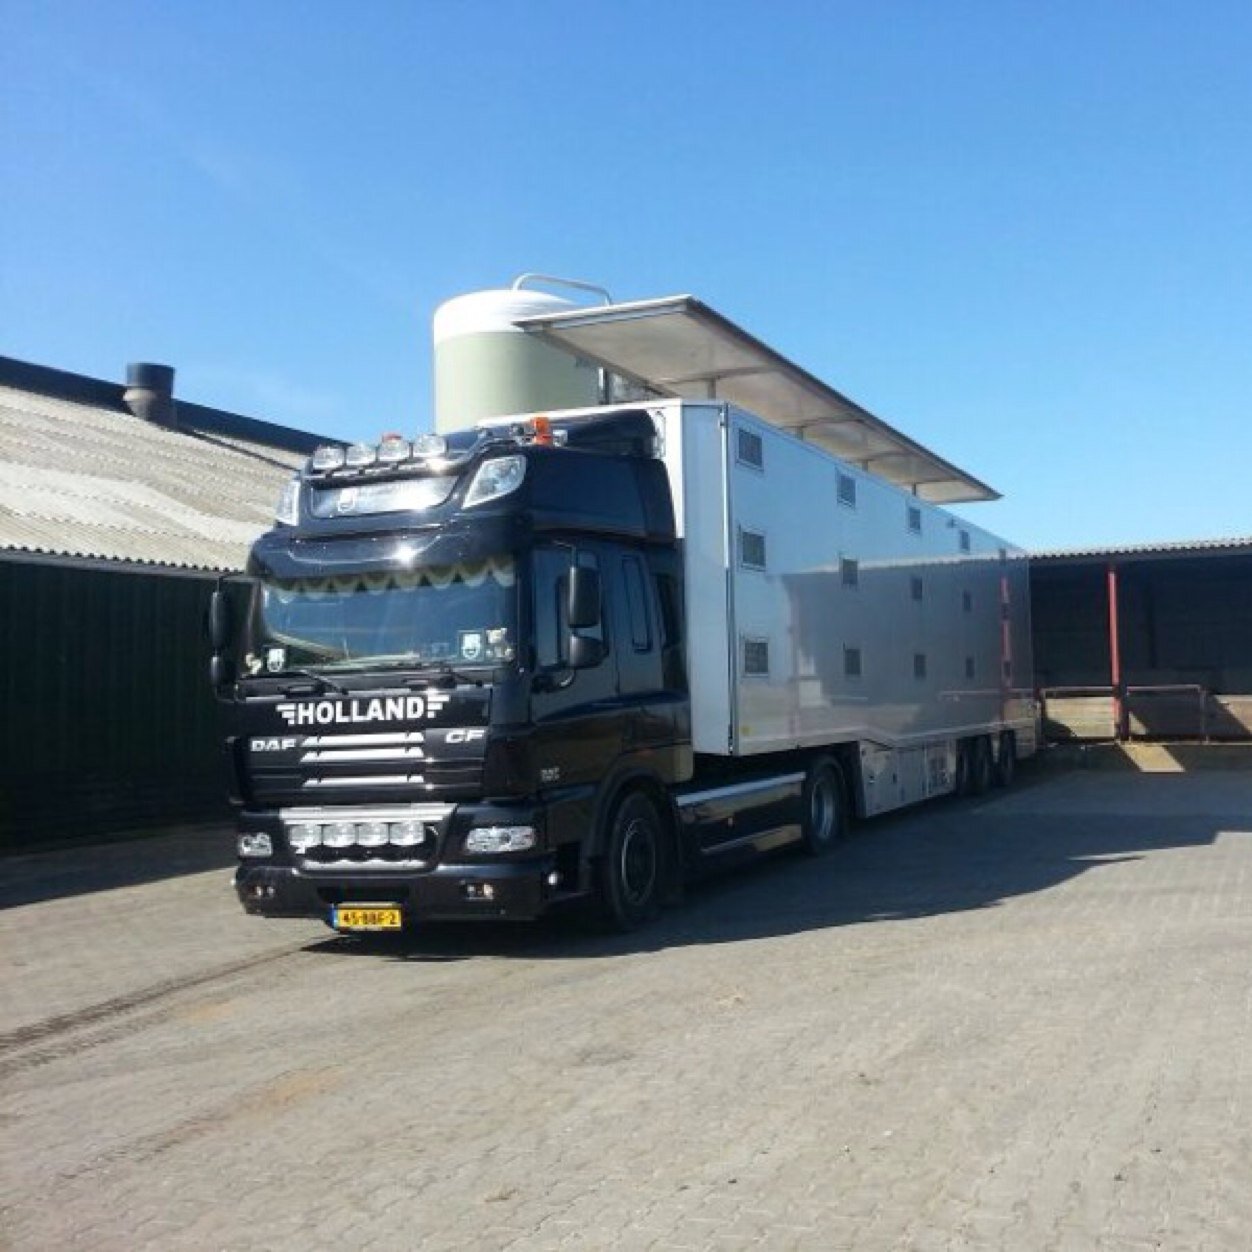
(120, 507)
(1151, 641)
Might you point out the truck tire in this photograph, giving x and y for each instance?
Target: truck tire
(1006, 759)
(981, 766)
(961, 779)
(825, 822)
(631, 871)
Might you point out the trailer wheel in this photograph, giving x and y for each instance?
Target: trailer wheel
(825, 814)
(632, 867)
(981, 766)
(961, 780)
(1006, 759)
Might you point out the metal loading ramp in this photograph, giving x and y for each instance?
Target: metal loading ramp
(678, 346)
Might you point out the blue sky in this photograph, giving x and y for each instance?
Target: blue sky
(1020, 232)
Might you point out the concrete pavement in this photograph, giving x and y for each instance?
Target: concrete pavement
(1018, 1023)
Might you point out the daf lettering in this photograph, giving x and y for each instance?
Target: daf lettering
(273, 745)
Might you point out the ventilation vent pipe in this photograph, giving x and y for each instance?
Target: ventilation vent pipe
(149, 393)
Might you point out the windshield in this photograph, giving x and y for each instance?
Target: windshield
(457, 615)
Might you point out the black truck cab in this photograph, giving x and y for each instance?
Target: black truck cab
(457, 687)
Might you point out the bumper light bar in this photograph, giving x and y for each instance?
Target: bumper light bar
(409, 833)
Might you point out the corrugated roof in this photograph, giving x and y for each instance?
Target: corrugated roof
(87, 481)
(1181, 547)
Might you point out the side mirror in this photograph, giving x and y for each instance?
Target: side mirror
(221, 670)
(219, 621)
(583, 609)
(584, 652)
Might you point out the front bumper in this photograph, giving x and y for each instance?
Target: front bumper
(518, 890)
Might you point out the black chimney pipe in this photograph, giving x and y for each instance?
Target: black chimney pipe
(149, 393)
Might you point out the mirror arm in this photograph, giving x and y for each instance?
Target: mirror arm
(555, 679)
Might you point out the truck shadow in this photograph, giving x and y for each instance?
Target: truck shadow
(948, 857)
(32, 877)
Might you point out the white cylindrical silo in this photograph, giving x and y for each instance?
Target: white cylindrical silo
(484, 366)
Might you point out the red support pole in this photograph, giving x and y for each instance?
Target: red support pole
(1115, 658)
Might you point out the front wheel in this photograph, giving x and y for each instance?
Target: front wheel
(825, 816)
(632, 867)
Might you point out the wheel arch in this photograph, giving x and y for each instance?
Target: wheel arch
(847, 759)
(620, 783)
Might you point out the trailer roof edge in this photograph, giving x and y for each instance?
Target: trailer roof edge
(678, 346)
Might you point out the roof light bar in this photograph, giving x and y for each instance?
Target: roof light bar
(393, 449)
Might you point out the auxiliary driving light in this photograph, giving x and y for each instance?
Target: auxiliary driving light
(339, 835)
(327, 457)
(407, 834)
(495, 478)
(287, 510)
(371, 834)
(304, 835)
(393, 450)
(256, 844)
(360, 455)
(488, 839)
(430, 445)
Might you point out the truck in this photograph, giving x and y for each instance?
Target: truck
(581, 655)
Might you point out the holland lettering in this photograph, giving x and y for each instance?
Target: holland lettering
(355, 711)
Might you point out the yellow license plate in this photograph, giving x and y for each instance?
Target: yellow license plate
(366, 917)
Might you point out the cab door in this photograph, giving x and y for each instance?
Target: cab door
(653, 703)
(578, 732)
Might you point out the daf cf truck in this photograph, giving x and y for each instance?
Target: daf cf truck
(583, 654)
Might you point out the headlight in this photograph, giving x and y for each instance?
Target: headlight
(287, 511)
(487, 839)
(256, 844)
(495, 478)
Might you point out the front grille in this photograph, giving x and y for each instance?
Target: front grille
(370, 760)
(359, 767)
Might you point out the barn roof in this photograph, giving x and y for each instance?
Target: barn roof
(84, 479)
(1234, 546)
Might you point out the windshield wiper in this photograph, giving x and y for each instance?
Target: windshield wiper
(443, 671)
(323, 683)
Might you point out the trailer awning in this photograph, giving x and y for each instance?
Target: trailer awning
(678, 346)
